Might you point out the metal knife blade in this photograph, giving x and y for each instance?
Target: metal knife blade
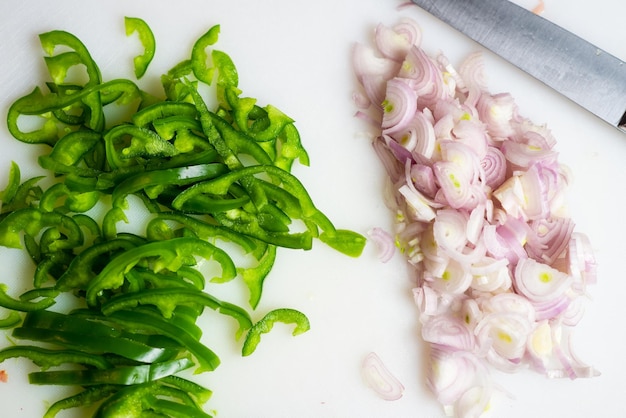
(582, 72)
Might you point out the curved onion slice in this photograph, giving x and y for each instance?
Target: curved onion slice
(378, 378)
(449, 331)
(503, 336)
(540, 282)
(384, 242)
(452, 373)
(399, 105)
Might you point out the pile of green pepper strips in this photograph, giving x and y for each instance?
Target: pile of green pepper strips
(206, 177)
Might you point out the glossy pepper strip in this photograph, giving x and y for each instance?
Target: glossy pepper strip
(265, 325)
(89, 396)
(46, 358)
(141, 400)
(121, 375)
(167, 254)
(207, 359)
(23, 305)
(146, 37)
(167, 299)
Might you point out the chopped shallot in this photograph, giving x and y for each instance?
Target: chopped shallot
(478, 195)
(378, 377)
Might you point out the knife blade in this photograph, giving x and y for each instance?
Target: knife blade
(580, 71)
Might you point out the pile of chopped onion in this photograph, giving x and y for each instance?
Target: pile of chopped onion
(478, 194)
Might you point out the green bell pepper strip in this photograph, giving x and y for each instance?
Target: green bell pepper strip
(254, 277)
(89, 396)
(8, 302)
(145, 278)
(172, 176)
(125, 347)
(48, 267)
(167, 254)
(110, 220)
(227, 75)
(121, 375)
(207, 231)
(146, 37)
(86, 264)
(144, 143)
(237, 142)
(11, 320)
(184, 319)
(167, 127)
(248, 224)
(46, 319)
(203, 204)
(13, 183)
(242, 107)
(199, 56)
(148, 115)
(72, 148)
(92, 324)
(50, 40)
(289, 182)
(166, 407)
(36, 103)
(265, 325)
(46, 358)
(42, 292)
(59, 65)
(345, 241)
(26, 196)
(199, 393)
(144, 400)
(206, 358)
(167, 299)
(291, 148)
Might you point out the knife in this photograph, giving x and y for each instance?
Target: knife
(582, 72)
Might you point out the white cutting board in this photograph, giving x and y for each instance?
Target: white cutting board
(295, 55)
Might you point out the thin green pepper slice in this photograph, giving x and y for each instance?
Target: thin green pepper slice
(87, 397)
(265, 325)
(8, 302)
(144, 143)
(11, 320)
(207, 359)
(125, 347)
(85, 265)
(207, 230)
(121, 375)
(171, 176)
(50, 40)
(32, 221)
(167, 255)
(142, 401)
(146, 37)
(13, 183)
(254, 277)
(199, 56)
(167, 299)
(46, 358)
(71, 149)
(36, 103)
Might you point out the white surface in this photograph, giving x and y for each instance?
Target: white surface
(295, 55)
